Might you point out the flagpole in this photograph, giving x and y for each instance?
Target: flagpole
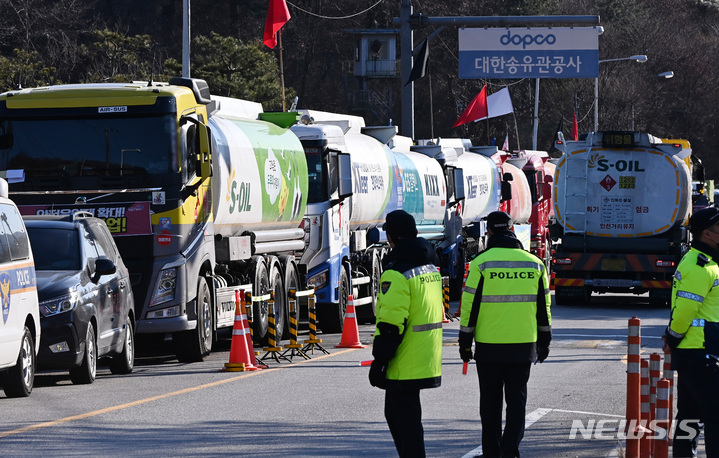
(516, 130)
(431, 108)
(282, 71)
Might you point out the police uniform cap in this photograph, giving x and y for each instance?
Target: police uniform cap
(400, 224)
(703, 219)
(499, 222)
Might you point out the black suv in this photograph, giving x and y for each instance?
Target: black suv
(87, 310)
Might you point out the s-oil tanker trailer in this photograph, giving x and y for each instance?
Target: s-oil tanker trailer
(622, 200)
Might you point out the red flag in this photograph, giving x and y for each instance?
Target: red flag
(475, 110)
(277, 16)
(575, 128)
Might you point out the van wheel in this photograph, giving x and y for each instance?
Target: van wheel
(85, 373)
(20, 378)
(124, 362)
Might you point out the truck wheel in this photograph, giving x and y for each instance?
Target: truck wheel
(659, 298)
(561, 296)
(277, 285)
(331, 317)
(124, 362)
(292, 282)
(192, 346)
(260, 287)
(85, 373)
(19, 379)
(367, 313)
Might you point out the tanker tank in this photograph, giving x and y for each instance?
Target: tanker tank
(482, 187)
(637, 191)
(260, 177)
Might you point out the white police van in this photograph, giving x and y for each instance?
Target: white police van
(20, 316)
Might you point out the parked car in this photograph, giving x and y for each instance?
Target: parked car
(20, 317)
(86, 304)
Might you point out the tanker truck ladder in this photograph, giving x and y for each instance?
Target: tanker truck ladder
(575, 202)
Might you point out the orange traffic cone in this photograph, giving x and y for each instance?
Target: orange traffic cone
(240, 359)
(350, 331)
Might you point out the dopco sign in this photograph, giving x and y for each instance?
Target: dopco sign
(564, 52)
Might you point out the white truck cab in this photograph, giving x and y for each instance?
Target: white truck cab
(19, 309)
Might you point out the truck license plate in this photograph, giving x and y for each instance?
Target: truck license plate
(614, 265)
(615, 283)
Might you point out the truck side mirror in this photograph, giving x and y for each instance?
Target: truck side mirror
(204, 161)
(344, 166)
(458, 177)
(547, 187)
(506, 191)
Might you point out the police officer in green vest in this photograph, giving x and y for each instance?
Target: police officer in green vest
(693, 337)
(505, 312)
(407, 346)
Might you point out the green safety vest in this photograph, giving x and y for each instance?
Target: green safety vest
(412, 301)
(695, 299)
(512, 282)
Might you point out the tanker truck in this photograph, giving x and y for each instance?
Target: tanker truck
(346, 243)
(202, 198)
(622, 200)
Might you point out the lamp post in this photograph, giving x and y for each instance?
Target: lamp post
(641, 58)
(665, 75)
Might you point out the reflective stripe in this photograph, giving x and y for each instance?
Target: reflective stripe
(690, 296)
(544, 328)
(716, 282)
(425, 269)
(509, 298)
(673, 333)
(698, 322)
(466, 329)
(469, 290)
(678, 275)
(426, 327)
(511, 265)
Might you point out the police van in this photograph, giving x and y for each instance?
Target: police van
(20, 318)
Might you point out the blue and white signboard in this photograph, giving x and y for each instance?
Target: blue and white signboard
(556, 52)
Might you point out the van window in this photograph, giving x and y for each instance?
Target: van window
(13, 239)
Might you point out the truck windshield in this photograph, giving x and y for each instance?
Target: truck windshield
(77, 147)
(317, 180)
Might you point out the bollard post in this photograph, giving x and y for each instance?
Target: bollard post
(293, 347)
(445, 299)
(655, 362)
(661, 443)
(313, 341)
(645, 450)
(669, 375)
(633, 412)
(274, 349)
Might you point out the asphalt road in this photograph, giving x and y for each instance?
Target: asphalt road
(325, 406)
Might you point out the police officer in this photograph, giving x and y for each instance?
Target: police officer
(505, 310)
(693, 337)
(407, 345)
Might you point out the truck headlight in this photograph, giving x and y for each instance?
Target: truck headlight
(166, 283)
(319, 280)
(59, 304)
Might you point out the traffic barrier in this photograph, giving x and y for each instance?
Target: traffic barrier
(274, 350)
(313, 342)
(350, 330)
(239, 352)
(645, 447)
(654, 376)
(661, 443)
(294, 348)
(633, 412)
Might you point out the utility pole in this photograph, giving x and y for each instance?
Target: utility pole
(408, 21)
(186, 38)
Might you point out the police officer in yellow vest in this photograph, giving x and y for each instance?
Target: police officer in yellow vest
(693, 337)
(505, 311)
(407, 346)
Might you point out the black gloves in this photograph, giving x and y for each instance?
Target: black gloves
(671, 340)
(378, 374)
(542, 353)
(465, 345)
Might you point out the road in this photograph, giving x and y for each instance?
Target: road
(325, 406)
